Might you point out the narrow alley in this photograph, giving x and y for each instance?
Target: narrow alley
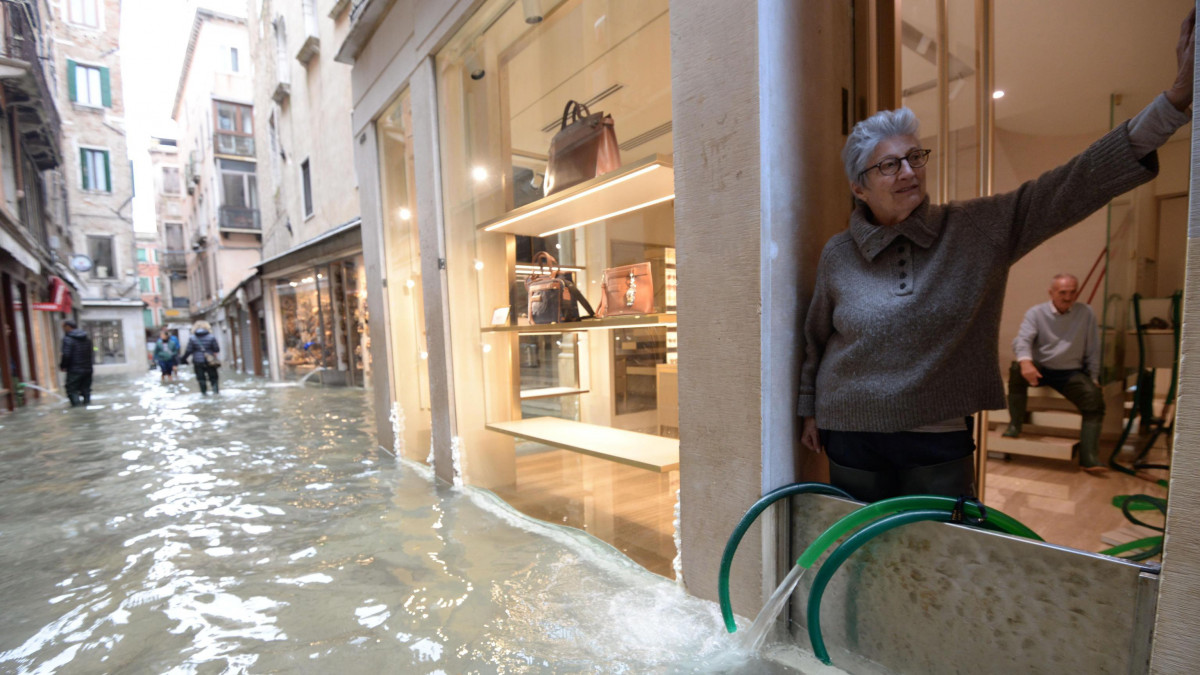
(264, 531)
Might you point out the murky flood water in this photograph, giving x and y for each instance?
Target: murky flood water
(263, 531)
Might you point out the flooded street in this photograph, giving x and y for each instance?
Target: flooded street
(263, 530)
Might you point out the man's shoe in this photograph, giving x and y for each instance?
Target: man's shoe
(1012, 431)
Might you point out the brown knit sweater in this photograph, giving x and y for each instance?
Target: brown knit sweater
(903, 329)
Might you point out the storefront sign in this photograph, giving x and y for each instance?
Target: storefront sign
(60, 298)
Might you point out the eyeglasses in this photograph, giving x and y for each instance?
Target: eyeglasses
(891, 166)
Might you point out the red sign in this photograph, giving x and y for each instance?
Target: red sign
(61, 298)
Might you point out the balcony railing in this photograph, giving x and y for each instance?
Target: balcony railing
(231, 144)
(237, 218)
(37, 119)
(175, 260)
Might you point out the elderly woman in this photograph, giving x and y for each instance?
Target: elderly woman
(902, 335)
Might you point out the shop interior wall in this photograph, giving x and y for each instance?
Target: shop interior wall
(408, 383)
(470, 132)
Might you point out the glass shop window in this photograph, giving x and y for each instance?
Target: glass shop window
(558, 187)
(108, 344)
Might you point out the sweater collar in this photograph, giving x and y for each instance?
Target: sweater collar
(920, 227)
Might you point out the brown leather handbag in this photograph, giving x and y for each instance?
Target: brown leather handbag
(628, 289)
(584, 147)
(553, 297)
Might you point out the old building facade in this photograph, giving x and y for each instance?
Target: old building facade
(313, 293)
(214, 111)
(99, 181)
(169, 194)
(37, 289)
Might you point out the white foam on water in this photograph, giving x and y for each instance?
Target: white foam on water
(677, 536)
(398, 421)
(456, 457)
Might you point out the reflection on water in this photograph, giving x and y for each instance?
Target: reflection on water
(263, 530)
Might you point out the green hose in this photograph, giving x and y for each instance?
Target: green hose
(995, 519)
(841, 553)
(747, 520)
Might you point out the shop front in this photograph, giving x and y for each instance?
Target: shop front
(578, 418)
(570, 416)
(242, 333)
(721, 128)
(317, 320)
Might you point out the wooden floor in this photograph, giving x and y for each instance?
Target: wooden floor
(1065, 505)
(634, 509)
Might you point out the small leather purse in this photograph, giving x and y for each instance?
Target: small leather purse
(628, 289)
(553, 298)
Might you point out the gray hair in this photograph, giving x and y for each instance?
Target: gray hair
(871, 132)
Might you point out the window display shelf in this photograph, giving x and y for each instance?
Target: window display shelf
(632, 321)
(653, 453)
(634, 186)
(550, 392)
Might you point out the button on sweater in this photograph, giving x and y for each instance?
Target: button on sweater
(903, 328)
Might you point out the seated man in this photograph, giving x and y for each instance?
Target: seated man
(1059, 346)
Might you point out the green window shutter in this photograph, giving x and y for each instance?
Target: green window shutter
(107, 173)
(105, 89)
(71, 80)
(83, 169)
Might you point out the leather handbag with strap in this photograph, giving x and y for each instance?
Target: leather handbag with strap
(553, 298)
(628, 289)
(584, 147)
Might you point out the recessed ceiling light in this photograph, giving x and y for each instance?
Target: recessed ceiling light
(999, 93)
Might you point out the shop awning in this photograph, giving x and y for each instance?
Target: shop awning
(337, 242)
(60, 298)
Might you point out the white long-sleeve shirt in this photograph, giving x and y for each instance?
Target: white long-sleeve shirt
(1056, 341)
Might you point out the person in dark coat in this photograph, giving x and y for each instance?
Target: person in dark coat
(202, 348)
(76, 361)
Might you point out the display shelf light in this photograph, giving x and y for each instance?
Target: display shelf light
(634, 186)
(614, 214)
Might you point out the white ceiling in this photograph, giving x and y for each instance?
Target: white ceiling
(1058, 61)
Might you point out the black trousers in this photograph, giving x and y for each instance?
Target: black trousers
(875, 465)
(79, 387)
(206, 374)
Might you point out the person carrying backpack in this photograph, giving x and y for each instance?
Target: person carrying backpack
(203, 349)
(166, 352)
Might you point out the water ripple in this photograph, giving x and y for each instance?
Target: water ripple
(263, 531)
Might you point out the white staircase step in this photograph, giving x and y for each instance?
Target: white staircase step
(1069, 420)
(1034, 445)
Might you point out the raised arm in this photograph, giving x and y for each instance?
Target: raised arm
(1120, 161)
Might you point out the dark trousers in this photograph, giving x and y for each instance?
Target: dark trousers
(1075, 385)
(874, 465)
(206, 374)
(79, 387)
(1078, 388)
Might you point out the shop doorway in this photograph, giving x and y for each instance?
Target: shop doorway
(995, 116)
(323, 316)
